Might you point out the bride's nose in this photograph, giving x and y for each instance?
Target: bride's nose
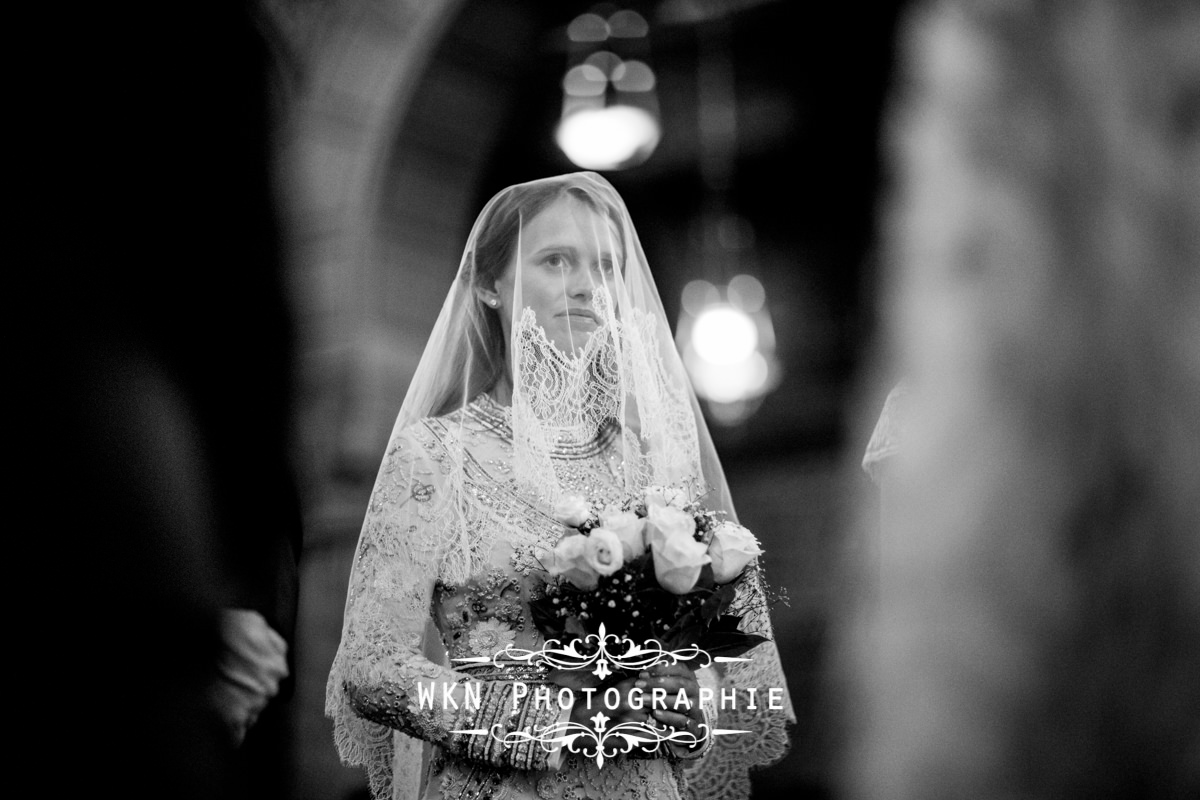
(580, 283)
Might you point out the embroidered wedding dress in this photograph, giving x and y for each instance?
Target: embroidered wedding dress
(460, 522)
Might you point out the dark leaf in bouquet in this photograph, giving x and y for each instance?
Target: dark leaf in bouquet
(715, 603)
(706, 579)
(574, 627)
(732, 645)
(637, 564)
(687, 623)
(546, 618)
(723, 638)
(726, 624)
(687, 631)
(721, 598)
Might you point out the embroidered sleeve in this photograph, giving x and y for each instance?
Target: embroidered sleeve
(381, 678)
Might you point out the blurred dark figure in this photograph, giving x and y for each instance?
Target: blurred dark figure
(1037, 628)
(168, 649)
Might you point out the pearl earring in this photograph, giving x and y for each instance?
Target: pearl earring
(493, 303)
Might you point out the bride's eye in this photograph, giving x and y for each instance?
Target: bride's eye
(556, 261)
(606, 266)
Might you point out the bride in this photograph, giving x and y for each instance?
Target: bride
(550, 373)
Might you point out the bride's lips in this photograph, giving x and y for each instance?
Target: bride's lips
(585, 314)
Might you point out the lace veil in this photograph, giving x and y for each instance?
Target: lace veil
(555, 314)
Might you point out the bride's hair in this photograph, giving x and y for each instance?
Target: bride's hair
(483, 359)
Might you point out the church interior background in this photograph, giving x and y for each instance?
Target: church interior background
(995, 199)
(402, 118)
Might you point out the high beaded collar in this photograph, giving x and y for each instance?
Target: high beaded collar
(566, 443)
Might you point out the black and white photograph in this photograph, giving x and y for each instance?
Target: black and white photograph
(657, 400)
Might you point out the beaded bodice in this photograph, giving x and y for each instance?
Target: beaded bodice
(509, 535)
(585, 459)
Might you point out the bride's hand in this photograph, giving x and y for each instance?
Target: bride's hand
(673, 678)
(637, 713)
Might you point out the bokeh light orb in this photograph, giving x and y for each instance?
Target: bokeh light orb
(724, 335)
(613, 137)
(747, 293)
(698, 295)
(729, 383)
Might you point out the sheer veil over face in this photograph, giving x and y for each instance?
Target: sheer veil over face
(562, 264)
(555, 313)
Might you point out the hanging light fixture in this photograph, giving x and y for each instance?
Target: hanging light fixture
(610, 118)
(724, 335)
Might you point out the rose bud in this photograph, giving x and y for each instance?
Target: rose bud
(732, 548)
(677, 562)
(629, 528)
(572, 510)
(603, 551)
(569, 560)
(667, 522)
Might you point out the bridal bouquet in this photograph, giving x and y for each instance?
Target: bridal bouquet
(657, 570)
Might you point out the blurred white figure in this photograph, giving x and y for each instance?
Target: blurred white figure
(1036, 631)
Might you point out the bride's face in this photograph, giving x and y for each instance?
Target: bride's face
(565, 253)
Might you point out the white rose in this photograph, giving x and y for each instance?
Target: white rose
(572, 510)
(668, 522)
(732, 548)
(677, 562)
(604, 551)
(569, 560)
(629, 528)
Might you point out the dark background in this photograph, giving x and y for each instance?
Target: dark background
(175, 249)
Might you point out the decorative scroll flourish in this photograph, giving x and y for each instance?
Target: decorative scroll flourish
(605, 650)
(600, 742)
(601, 651)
